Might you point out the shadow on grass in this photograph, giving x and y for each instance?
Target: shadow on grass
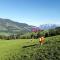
(29, 46)
(35, 45)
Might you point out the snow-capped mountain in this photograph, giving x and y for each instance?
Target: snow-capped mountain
(48, 26)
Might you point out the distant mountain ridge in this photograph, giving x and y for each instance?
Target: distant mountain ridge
(7, 25)
(48, 26)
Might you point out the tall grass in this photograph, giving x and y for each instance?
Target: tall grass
(25, 49)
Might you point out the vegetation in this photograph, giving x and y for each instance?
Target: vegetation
(25, 49)
(46, 33)
(11, 27)
(14, 30)
(30, 35)
(19, 42)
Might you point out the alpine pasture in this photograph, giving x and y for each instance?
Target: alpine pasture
(25, 49)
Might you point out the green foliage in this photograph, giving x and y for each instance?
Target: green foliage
(26, 36)
(25, 49)
(57, 30)
(29, 35)
(52, 32)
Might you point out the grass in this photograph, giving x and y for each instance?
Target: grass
(25, 49)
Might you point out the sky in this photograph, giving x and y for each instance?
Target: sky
(32, 12)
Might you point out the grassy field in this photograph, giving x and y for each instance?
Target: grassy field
(25, 49)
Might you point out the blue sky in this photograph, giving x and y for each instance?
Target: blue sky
(32, 12)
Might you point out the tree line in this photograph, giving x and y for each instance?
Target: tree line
(35, 35)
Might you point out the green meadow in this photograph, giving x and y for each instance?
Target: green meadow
(25, 49)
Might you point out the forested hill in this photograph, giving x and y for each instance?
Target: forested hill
(9, 26)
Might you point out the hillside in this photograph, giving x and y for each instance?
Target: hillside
(25, 49)
(9, 26)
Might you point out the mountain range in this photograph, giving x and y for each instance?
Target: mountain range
(11, 27)
(48, 26)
